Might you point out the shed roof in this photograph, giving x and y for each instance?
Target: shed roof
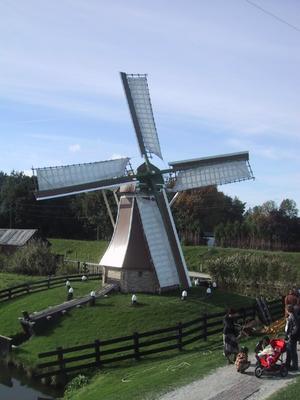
(16, 237)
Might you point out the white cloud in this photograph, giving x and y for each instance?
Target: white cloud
(28, 172)
(74, 148)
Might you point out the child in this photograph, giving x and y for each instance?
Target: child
(264, 342)
(270, 354)
(241, 361)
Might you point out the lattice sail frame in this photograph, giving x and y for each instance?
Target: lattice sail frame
(217, 170)
(138, 97)
(79, 178)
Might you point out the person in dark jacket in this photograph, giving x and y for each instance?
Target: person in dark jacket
(290, 299)
(292, 334)
(231, 347)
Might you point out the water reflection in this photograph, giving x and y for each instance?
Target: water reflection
(14, 385)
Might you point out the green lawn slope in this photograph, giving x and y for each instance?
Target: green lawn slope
(8, 279)
(112, 316)
(92, 251)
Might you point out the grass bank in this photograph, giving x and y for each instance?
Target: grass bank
(111, 317)
(149, 379)
(195, 255)
(7, 279)
(12, 309)
(289, 392)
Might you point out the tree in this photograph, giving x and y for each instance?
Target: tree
(199, 211)
(288, 208)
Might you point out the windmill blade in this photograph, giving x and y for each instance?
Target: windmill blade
(138, 98)
(72, 179)
(215, 170)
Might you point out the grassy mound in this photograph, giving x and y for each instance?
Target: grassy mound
(111, 317)
(12, 309)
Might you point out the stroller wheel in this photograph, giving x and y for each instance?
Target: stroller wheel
(258, 371)
(283, 371)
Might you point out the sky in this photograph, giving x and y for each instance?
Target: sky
(224, 77)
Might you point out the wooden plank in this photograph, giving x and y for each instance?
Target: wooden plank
(215, 323)
(116, 340)
(116, 359)
(210, 333)
(159, 340)
(192, 340)
(117, 350)
(158, 331)
(190, 323)
(193, 330)
(159, 350)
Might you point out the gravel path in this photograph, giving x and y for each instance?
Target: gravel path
(226, 384)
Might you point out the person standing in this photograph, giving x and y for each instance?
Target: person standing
(292, 334)
(290, 299)
(231, 347)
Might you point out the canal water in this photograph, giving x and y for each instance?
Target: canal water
(14, 385)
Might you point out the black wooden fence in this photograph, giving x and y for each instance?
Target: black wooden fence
(99, 353)
(37, 286)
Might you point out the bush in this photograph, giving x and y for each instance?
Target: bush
(66, 268)
(3, 262)
(255, 274)
(75, 384)
(33, 259)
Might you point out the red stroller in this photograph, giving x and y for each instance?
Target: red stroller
(272, 363)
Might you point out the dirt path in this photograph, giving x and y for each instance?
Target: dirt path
(226, 384)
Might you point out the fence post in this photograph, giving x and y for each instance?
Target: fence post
(179, 343)
(9, 293)
(136, 346)
(205, 326)
(243, 312)
(283, 304)
(60, 359)
(97, 352)
(48, 283)
(27, 287)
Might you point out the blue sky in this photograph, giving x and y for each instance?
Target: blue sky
(223, 76)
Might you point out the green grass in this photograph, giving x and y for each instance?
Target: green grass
(289, 392)
(144, 380)
(82, 250)
(195, 255)
(149, 379)
(111, 317)
(8, 279)
(11, 310)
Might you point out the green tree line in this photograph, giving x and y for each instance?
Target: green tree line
(197, 213)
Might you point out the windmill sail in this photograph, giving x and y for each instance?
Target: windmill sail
(138, 98)
(216, 170)
(72, 179)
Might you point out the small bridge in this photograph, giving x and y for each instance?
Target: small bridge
(30, 321)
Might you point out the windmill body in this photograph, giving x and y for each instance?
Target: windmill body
(144, 253)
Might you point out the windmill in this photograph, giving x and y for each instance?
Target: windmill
(144, 253)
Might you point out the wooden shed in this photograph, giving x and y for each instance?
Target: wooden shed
(13, 239)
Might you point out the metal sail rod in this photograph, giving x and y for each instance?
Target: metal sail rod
(173, 199)
(108, 209)
(116, 197)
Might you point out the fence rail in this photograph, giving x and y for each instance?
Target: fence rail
(137, 345)
(37, 286)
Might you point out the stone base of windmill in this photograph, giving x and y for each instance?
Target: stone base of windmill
(131, 281)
